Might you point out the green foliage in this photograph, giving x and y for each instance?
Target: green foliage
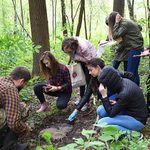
(16, 49)
(47, 137)
(110, 138)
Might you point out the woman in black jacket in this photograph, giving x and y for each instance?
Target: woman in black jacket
(129, 111)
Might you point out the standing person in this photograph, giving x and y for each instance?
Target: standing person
(58, 82)
(131, 38)
(129, 100)
(121, 53)
(80, 50)
(14, 127)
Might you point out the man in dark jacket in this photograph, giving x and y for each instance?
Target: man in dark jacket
(129, 100)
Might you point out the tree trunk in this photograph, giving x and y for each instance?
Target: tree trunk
(85, 26)
(72, 18)
(131, 9)
(90, 18)
(22, 17)
(53, 22)
(118, 6)
(148, 20)
(39, 30)
(15, 16)
(64, 21)
(80, 17)
(55, 19)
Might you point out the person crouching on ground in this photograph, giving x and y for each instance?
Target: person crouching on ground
(14, 127)
(58, 82)
(129, 100)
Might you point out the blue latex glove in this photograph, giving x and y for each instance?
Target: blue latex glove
(72, 116)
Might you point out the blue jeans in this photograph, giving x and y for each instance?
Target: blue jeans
(122, 122)
(133, 64)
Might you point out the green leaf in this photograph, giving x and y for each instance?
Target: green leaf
(110, 130)
(87, 133)
(47, 136)
(79, 141)
(39, 148)
(106, 138)
(71, 146)
(94, 143)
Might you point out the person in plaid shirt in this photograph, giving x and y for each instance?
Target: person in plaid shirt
(58, 82)
(9, 101)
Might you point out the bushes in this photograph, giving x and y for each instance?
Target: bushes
(16, 50)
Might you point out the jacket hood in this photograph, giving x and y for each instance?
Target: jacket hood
(111, 78)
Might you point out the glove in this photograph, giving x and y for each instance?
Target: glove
(72, 116)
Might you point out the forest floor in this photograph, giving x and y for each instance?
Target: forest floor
(56, 118)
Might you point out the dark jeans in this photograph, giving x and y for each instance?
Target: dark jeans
(87, 78)
(133, 64)
(7, 139)
(116, 64)
(148, 93)
(62, 100)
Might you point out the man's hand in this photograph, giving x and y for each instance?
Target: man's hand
(103, 90)
(118, 18)
(72, 116)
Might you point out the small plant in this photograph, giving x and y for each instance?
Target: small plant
(110, 138)
(47, 137)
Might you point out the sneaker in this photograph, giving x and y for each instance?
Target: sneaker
(85, 107)
(43, 107)
(77, 102)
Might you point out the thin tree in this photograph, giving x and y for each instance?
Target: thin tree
(118, 5)
(55, 19)
(39, 30)
(85, 25)
(131, 9)
(53, 22)
(15, 16)
(64, 21)
(90, 18)
(80, 17)
(148, 20)
(22, 17)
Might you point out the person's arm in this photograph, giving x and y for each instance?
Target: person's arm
(86, 96)
(115, 109)
(13, 112)
(86, 51)
(146, 52)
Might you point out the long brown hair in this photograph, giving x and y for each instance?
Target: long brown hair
(94, 62)
(49, 72)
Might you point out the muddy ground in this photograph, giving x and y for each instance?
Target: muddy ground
(55, 117)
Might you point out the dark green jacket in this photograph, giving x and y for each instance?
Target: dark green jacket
(130, 33)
